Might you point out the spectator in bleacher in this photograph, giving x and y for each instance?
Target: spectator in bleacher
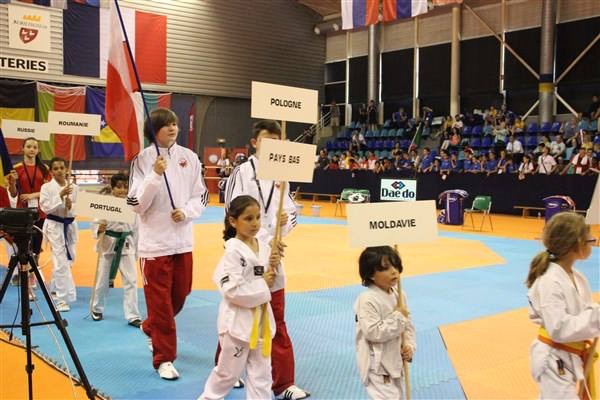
(476, 166)
(455, 139)
(362, 163)
(526, 167)
(445, 165)
(511, 167)
(435, 167)
(539, 149)
(448, 123)
(580, 163)
(500, 135)
(388, 166)
(372, 112)
(322, 160)
(357, 143)
(568, 129)
(397, 161)
(491, 165)
(335, 118)
(400, 119)
(546, 163)
(396, 151)
(378, 168)
(334, 163)
(444, 140)
(458, 122)
(371, 159)
(426, 161)
(309, 135)
(414, 158)
(406, 163)
(344, 160)
(224, 166)
(353, 163)
(587, 141)
(363, 116)
(467, 162)
(488, 128)
(518, 126)
(515, 149)
(557, 147)
(502, 162)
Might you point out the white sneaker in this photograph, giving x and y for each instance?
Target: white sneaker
(149, 339)
(292, 393)
(167, 371)
(62, 306)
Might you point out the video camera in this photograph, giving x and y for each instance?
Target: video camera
(18, 221)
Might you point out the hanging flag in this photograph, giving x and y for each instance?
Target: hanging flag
(6, 165)
(358, 13)
(120, 108)
(17, 101)
(59, 98)
(86, 41)
(401, 9)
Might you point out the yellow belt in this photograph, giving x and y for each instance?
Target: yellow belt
(266, 330)
(583, 349)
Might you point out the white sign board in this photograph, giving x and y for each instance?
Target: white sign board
(398, 190)
(25, 64)
(28, 28)
(379, 224)
(105, 207)
(285, 103)
(74, 123)
(17, 129)
(279, 160)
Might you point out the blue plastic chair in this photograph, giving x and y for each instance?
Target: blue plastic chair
(487, 142)
(532, 142)
(532, 128)
(467, 131)
(477, 131)
(476, 143)
(546, 127)
(555, 127)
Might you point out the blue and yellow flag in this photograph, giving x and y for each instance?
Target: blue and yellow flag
(6, 165)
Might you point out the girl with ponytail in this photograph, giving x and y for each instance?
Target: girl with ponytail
(560, 302)
(245, 324)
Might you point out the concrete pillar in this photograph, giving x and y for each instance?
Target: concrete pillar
(373, 71)
(547, 45)
(455, 62)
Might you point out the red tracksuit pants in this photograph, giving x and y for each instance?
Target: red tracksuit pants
(167, 282)
(282, 352)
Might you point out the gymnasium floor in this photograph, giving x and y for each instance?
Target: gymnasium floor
(465, 292)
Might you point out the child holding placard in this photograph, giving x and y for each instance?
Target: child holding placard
(56, 200)
(243, 181)
(116, 247)
(385, 335)
(245, 324)
(560, 302)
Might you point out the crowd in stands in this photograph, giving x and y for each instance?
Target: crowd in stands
(492, 141)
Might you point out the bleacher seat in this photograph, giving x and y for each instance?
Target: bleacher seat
(387, 123)
(460, 164)
(370, 144)
(329, 145)
(597, 139)
(376, 152)
(545, 128)
(532, 128)
(383, 133)
(467, 131)
(379, 144)
(388, 144)
(475, 143)
(376, 133)
(487, 143)
(532, 142)
(594, 125)
(384, 154)
(369, 134)
(404, 143)
(521, 138)
(392, 133)
(400, 133)
(555, 127)
(477, 131)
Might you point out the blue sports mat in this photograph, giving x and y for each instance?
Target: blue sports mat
(321, 325)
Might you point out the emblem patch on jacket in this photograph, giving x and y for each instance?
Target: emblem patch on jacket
(259, 270)
(183, 163)
(243, 261)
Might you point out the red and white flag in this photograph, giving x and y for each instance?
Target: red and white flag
(122, 110)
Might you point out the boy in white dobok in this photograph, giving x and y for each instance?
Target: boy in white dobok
(116, 247)
(385, 335)
(560, 302)
(56, 200)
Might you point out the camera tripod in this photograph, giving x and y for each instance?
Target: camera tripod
(26, 264)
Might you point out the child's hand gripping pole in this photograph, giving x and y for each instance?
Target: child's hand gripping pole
(282, 187)
(404, 362)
